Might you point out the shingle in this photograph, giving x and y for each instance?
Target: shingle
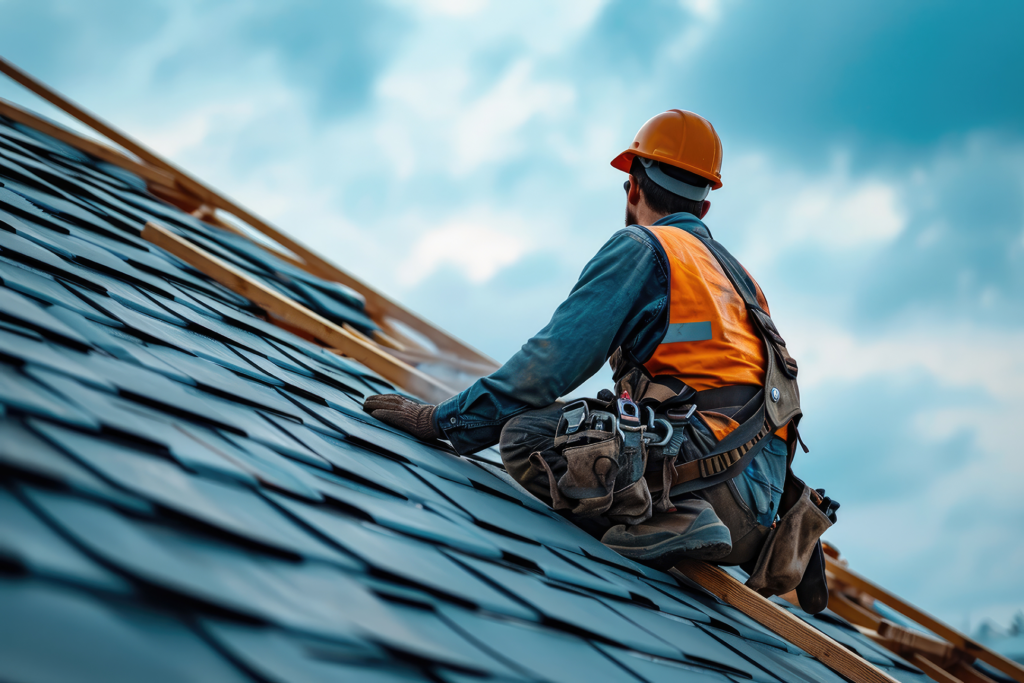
(511, 488)
(35, 283)
(133, 298)
(42, 353)
(508, 517)
(90, 255)
(309, 387)
(649, 595)
(18, 307)
(455, 648)
(312, 597)
(698, 647)
(419, 563)
(259, 427)
(51, 633)
(20, 248)
(155, 389)
(281, 657)
(213, 377)
(274, 469)
(656, 670)
(573, 610)
(542, 652)
(791, 667)
(24, 451)
(348, 458)
(728, 618)
(34, 545)
(100, 336)
(408, 517)
(556, 567)
(19, 392)
(230, 509)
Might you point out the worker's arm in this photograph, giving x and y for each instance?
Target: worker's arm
(621, 293)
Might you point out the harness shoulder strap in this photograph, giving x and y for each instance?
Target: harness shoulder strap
(732, 455)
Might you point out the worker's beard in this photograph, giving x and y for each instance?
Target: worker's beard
(630, 216)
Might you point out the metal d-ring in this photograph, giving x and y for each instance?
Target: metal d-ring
(669, 431)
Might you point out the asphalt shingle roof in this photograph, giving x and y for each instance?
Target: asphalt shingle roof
(188, 492)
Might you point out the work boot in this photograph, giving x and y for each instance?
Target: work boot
(693, 531)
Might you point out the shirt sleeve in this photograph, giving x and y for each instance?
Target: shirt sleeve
(622, 291)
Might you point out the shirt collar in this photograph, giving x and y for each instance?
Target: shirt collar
(687, 221)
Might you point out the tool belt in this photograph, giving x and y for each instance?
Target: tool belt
(605, 450)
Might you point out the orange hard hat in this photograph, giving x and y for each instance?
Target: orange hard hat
(678, 138)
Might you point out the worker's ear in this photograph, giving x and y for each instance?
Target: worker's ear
(633, 193)
(704, 209)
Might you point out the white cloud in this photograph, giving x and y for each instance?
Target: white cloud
(962, 356)
(777, 206)
(479, 245)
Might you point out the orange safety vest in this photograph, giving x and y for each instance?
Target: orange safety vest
(710, 342)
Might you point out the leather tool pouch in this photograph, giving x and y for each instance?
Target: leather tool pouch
(787, 550)
(604, 468)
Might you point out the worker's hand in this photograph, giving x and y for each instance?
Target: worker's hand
(404, 413)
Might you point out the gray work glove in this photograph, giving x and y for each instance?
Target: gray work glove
(405, 414)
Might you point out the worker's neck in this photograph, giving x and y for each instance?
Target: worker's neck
(641, 214)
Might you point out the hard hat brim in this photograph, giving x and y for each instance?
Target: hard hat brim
(624, 162)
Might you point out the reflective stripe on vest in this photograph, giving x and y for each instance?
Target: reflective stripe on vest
(710, 341)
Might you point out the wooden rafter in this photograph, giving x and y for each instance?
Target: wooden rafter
(298, 316)
(84, 144)
(178, 186)
(811, 640)
(948, 656)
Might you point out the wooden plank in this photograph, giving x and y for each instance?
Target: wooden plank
(299, 316)
(968, 674)
(830, 653)
(904, 640)
(933, 670)
(959, 640)
(377, 305)
(84, 144)
(852, 612)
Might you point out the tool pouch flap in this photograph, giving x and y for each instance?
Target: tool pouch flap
(782, 394)
(787, 550)
(590, 474)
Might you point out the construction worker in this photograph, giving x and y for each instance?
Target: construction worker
(690, 456)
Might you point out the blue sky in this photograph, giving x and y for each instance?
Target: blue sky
(455, 153)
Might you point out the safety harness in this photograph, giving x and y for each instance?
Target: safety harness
(760, 411)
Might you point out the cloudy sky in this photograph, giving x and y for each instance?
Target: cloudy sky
(454, 153)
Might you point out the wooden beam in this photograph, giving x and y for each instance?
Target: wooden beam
(933, 670)
(377, 305)
(295, 314)
(830, 653)
(851, 611)
(968, 674)
(84, 144)
(970, 647)
(907, 640)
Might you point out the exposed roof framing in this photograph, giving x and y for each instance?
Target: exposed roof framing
(177, 186)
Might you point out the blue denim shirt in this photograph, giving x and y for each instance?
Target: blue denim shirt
(621, 299)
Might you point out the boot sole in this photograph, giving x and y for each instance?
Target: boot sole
(663, 556)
